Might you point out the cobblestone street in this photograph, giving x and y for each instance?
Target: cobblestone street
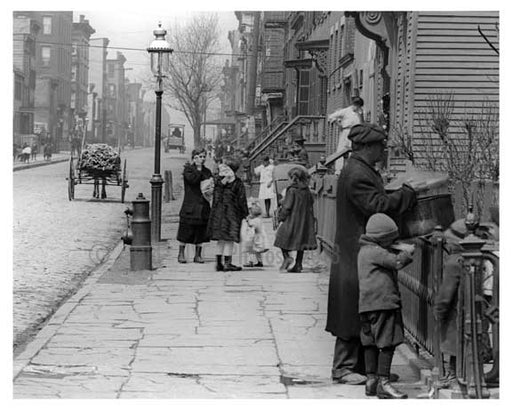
(58, 242)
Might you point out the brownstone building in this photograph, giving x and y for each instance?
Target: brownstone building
(25, 31)
(82, 32)
(398, 62)
(135, 116)
(53, 73)
(116, 116)
(97, 126)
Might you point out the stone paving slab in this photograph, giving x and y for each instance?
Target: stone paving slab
(63, 387)
(194, 340)
(164, 386)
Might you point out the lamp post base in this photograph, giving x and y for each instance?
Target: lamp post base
(156, 207)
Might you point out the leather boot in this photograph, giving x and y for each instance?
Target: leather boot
(371, 384)
(385, 390)
(298, 262)
(296, 268)
(228, 266)
(197, 258)
(181, 255)
(220, 266)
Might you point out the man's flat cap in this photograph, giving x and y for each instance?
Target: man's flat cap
(367, 133)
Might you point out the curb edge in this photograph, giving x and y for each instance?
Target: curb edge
(56, 320)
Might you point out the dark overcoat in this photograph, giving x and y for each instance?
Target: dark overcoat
(445, 306)
(195, 209)
(229, 208)
(360, 194)
(297, 232)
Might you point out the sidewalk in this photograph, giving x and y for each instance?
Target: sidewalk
(40, 161)
(186, 331)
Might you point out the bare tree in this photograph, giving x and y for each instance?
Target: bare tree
(402, 140)
(194, 73)
(466, 148)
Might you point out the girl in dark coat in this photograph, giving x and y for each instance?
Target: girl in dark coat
(297, 232)
(195, 210)
(229, 208)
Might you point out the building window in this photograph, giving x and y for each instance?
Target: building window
(47, 25)
(112, 90)
(335, 56)
(17, 89)
(26, 123)
(331, 63)
(303, 100)
(111, 70)
(347, 95)
(46, 54)
(340, 51)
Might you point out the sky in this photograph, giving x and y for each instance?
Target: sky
(133, 29)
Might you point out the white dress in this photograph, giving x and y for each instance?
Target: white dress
(255, 239)
(265, 174)
(346, 118)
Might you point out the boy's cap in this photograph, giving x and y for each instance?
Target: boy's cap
(381, 227)
(366, 133)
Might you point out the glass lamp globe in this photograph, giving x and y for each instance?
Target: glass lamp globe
(159, 51)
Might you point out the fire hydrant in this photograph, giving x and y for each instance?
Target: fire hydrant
(139, 236)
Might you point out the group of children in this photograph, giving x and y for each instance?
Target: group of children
(232, 221)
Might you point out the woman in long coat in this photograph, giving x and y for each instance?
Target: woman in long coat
(195, 210)
(297, 232)
(229, 208)
(360, 194)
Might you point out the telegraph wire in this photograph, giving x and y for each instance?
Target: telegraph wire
(41, 42)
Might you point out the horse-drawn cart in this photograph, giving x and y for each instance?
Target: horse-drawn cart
(97, 163)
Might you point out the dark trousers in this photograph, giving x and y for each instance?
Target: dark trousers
(348, 357)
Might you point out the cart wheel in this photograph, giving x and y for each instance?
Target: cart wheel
(71, 180)
(124, 183)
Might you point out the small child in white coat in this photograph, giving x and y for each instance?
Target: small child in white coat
(255, 240)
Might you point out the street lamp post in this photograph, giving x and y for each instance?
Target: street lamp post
(159, 51)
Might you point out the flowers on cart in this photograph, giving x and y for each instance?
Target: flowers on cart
(100, 157)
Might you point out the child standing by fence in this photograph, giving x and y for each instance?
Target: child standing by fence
(379, 302)
(297, 231)
(254, 237)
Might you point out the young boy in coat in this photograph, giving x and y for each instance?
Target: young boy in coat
(379, 260)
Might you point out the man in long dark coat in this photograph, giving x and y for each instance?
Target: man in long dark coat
(360, 194)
